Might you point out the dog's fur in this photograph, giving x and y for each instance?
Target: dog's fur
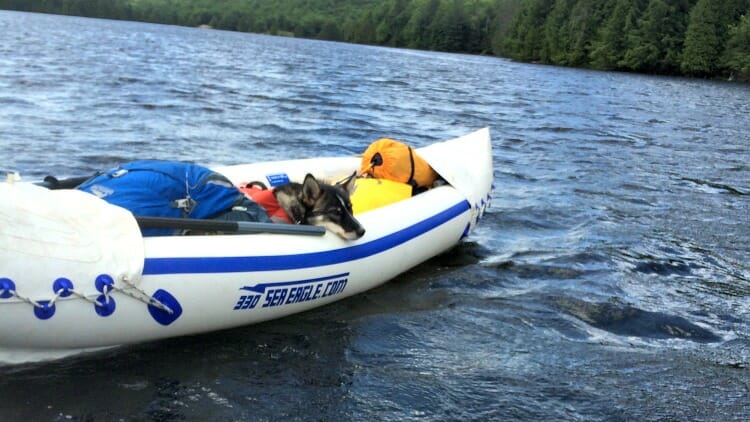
(321, 204)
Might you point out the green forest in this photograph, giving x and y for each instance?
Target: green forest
(698, 38)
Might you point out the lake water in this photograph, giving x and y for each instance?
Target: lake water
(609, 280)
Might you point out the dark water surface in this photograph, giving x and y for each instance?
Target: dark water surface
(609, 281)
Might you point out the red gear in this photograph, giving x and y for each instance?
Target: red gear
(266, 199)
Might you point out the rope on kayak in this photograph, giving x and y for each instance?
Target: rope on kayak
(143, 297)
(104, 303)
(14, 293)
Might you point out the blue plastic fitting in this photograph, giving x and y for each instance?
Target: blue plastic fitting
(104, 281)
(44, 310)
(105, 305)
(63, 284)
(7, 286)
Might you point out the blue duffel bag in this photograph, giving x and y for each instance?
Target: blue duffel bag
(166, 189)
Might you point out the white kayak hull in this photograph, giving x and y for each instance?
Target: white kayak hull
(215, 282)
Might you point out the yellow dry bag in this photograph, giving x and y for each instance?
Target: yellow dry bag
(375, 193)
(393, 160)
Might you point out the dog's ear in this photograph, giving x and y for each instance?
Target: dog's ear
(348, 184)
(310, 190)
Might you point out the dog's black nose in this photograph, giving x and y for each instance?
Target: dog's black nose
(360, 232)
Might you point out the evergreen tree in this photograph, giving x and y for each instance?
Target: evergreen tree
(449, 29)
(586, 17)
(416, 28)
(478, 18)
(657, 42)
(363, 31)
(556, 41)
(737, 55)
(391, 27)
(525, 40)
(330, 31)
(608, 50)
(707, 35)
(503, 13)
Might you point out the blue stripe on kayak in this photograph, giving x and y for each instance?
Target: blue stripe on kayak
(234, 264)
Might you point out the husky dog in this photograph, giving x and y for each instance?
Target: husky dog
(321, 204)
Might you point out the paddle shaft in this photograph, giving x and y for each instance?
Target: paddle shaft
(239, 227)
(53, 183)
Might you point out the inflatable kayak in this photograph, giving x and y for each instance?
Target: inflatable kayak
(78, 275)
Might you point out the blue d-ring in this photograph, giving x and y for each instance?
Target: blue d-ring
(63, 284)
(7, 286)
(44, 310)
(104, 281)
(105, 305)
(160, 315)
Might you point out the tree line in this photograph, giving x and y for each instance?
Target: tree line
(702, 38)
